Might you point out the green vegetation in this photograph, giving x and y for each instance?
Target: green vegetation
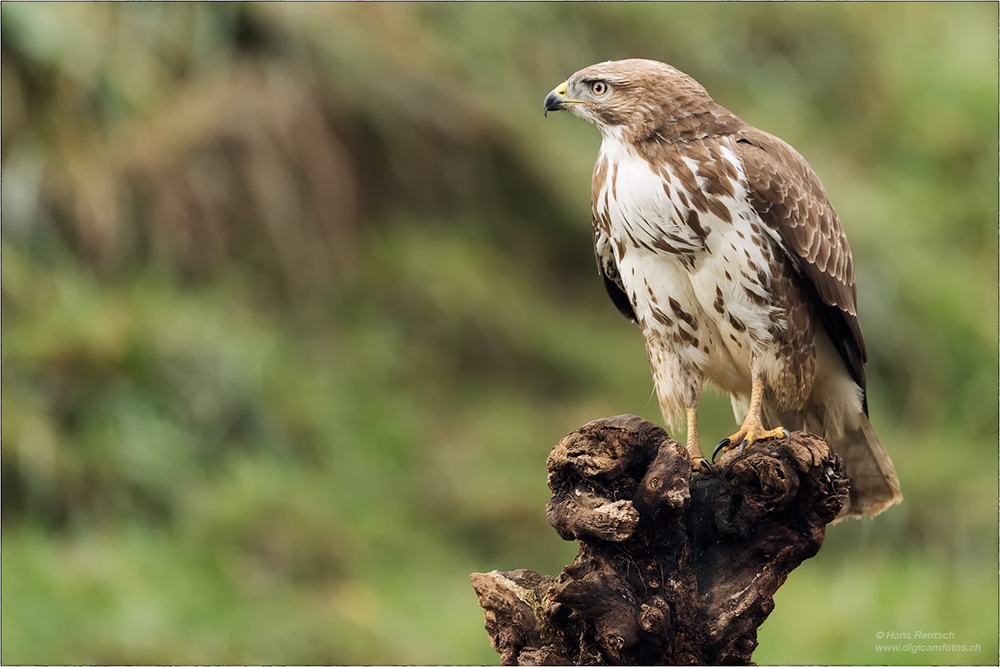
(297, 298)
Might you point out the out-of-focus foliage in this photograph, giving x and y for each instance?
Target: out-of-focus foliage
(297, 297)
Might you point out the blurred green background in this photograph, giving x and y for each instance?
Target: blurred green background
(297, 298)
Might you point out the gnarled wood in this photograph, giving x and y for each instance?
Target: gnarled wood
(671, 570)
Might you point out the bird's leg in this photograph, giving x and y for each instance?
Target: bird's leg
(691, 393)
(678, 384)
(698, 461)
(752, 429)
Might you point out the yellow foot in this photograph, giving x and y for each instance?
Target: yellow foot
(700, 464)
(752, 431)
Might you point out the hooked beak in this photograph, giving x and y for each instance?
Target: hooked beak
(556, 100)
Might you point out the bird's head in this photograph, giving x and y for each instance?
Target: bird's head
(633, 99)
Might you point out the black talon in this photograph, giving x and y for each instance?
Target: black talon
(722, 445)
(707, 467)
(743, 445)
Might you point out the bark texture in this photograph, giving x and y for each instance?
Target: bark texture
(671, 570)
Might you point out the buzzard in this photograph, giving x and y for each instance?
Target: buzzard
(719, 241)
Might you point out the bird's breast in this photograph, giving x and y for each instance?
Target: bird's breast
(642, 208)
(692, 254)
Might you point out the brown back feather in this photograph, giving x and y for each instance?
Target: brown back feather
(790, 199)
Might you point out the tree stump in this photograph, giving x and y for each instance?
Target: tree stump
(671, 570)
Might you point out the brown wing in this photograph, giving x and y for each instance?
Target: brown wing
(790, 199)
(608, 268)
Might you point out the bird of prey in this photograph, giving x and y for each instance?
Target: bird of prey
(719, 241)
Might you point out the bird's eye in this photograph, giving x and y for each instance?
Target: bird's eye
(598, 88)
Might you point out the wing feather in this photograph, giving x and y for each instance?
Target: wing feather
(791, 201)
(608, 268)
(607, 265)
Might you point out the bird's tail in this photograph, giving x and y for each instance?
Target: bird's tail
(874, 485)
